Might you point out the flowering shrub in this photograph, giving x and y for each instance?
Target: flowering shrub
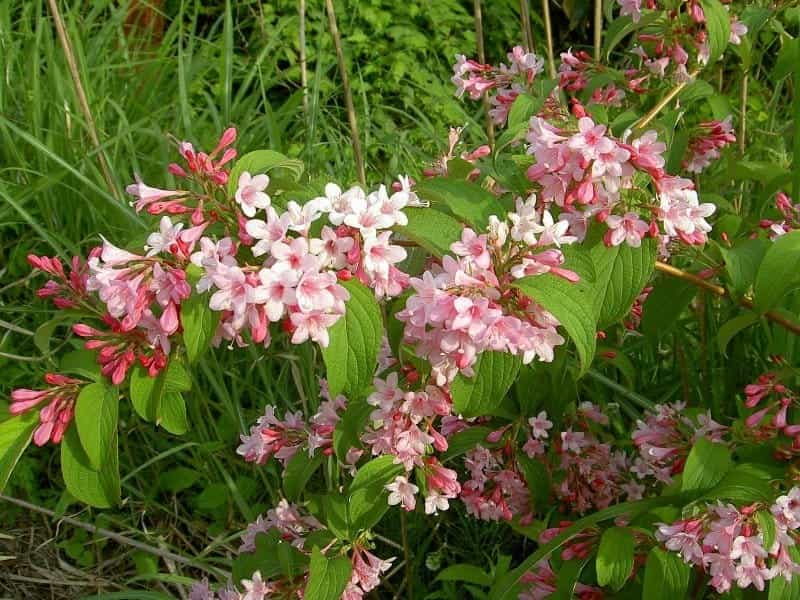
(440, 309)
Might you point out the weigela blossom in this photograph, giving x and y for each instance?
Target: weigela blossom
(665, 437)
(469, 305)
(59, 406)
(705, 146)
(503, 82)
(271, 436)
(728, 544)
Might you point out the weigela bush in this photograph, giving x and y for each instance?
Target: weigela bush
(438, 306)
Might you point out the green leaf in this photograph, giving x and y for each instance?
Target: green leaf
(573, 304)
(199, 325)
(367, 496)
(431, 229)
(262, 161)
(664, 305)
(778, 271)
(742, 484)
(15, 435)
(157, 399)
(352, 355)
(347, 433)
(467, 201)
(522, 109)
(172, 414)
(766, 526)
(707, 464)
(98, 488)
(82, 363)
(718, 26)
(742, 263)
(43, 334)
(96, 414)
(731, 328)
(567, 578)
(538, 479)
(614, 563)
(461, 442)
(327, 577)
(146, 392)
(482, 393)
(177, 378)
(465, 573)
(624, 26)
(621, 273)
(298, 471)
(666, 576)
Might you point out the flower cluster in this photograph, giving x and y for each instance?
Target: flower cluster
(496, 489)
(271, 436)
(542, 583)
(291, 525)
(704, 147)
(59, 400)
(666, 435)
(469, 304)
(772, 402)
(790, 221)
(732, 546)
(501, 83)
(590, 175)
(407, 425)
(668, 47)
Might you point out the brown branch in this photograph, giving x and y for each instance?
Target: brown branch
(598, 28)
(348, 94)
(723, 293)
(69, 55)
(653, 113)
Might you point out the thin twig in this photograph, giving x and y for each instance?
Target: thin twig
(525, 21)
(15, 328)
(117, 537)
(653, 113)
(66, 45)
(640, 401)
(348, 94)
(743, 118)
(548, 32)
(482, 59)
(598, 28)
(723, 293)
(301, 10)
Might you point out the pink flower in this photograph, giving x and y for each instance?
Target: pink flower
(474, 246)
(312, 325)
(590, 140)
(402, 492)
(627, 228)
(379, 254)
(250, 194)
(146, 195)
(540, 424)
(163, 240)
